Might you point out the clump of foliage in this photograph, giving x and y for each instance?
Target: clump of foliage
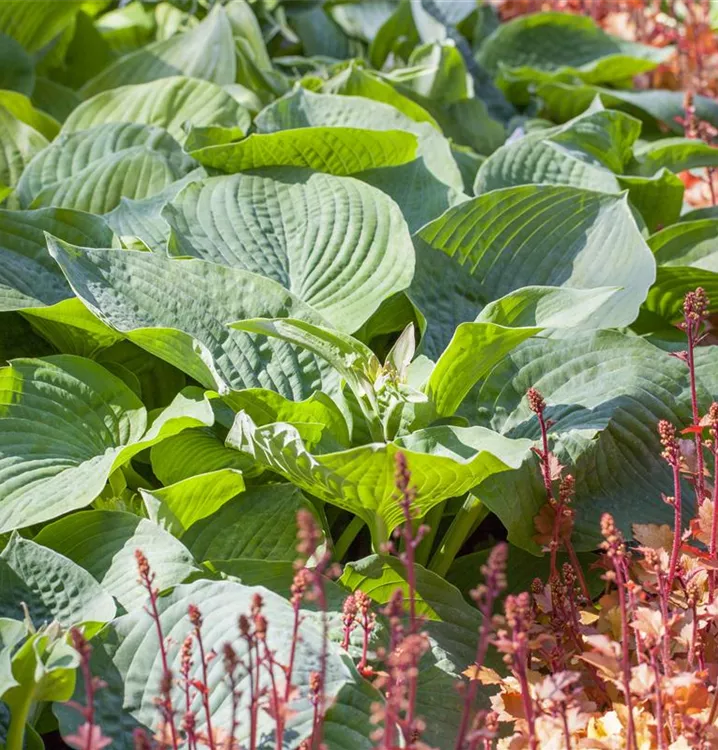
(409, 282)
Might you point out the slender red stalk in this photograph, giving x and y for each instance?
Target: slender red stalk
(658, 703)
(671, 454)
(494, 573)
(185, 668)
(195, 618)
(310, 535)
(411, 540)
(245, 630)
(277, 705)
(692, 331)
(146, 579)
(537, 404)
(566, 730)
(616, 551)
(713, 548)
(677, 526)
(526, 700)
(299, 587)
(89, 736)
(230, 667)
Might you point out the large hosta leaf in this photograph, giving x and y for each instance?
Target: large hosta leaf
(303, 109)
(71, 328)
(605, 393)
(29, 277)
(562, 101)
(336, 243)
(476, 348)
(675, 154)
(260, 524)
(103, 542)
(178, 311)
(540, 235)
(52, 586)
(169, 103)
(317, 418)
(686, 257)
(567, 45)
(356, 81)
(206, 51)
(658, 199)
(338, 151)
(136, 657)
(444, 461)
(67, 423)
(92, 170)
(585, 152)
(664, 302)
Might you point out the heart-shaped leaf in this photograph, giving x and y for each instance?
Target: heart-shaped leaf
(191, 333)
(532, 235)
(337, 243)
(260, 524)
(304, 109)
(178, 506)
(337, 151)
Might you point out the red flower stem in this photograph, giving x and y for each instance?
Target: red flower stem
(631, 743)
(292, 651)
(658, 703)
(546, 475)
(154, 613)
(252, 696)
(665, 641)
(470, 696)
(205, 692)
(191, 739)
(319, 707)
(677, 526)
(577, 568)
(257, 683)
(235, 709)
(691, 330)
(520, 669)
(365, 642)
(278, 709)
(566, 730)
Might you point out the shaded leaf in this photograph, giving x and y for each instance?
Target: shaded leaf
(103, 542)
